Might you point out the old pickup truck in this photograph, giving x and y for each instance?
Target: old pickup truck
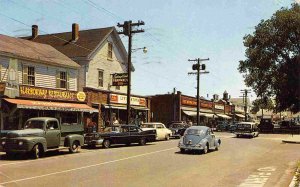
(43, 134)
(122, 134)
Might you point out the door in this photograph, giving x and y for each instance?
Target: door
(52, 134)
(210, 138)
(160, 131)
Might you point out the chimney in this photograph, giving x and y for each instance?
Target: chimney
(35, 31)
(75, 32)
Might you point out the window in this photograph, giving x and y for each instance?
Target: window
(69, 118)
(117, 87)
(63, 79)
(29, 75)
(52, 125)
(110, 51)
(100, 78)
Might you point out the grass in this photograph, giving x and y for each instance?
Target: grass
(297, 175)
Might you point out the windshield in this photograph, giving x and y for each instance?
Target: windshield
(244, 126)
(194, 132)
(177, 126)
(34, 124)
(112, 129)
(147, 125)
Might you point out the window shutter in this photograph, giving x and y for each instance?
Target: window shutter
(57, 79)
(25, 74)
(68, 79)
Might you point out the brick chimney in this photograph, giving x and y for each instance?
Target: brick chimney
(35, 31)
(75, 32)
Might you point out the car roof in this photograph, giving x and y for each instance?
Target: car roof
(249, 123)
(199, 127)
(152, 123)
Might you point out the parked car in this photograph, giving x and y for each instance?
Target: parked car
(222, 126)
(199, 138)
(178, 129)
(232, 127)
(162, 133)
(169, 123)
(266, 125)
(42, 134)
(121, 134)
(249, 129)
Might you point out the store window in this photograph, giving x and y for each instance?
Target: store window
(110, 51)
(69, 118)
(100, 78)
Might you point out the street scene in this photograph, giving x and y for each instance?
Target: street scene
(150, 93)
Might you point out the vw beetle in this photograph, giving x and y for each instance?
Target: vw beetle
(199, 138)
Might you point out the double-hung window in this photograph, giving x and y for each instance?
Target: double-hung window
(29, 75)
(63, 79)
(110, 50)
(100, 78)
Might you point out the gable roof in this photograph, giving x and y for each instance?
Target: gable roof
(24, 49)
(84, 46)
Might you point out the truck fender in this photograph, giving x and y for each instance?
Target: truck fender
(217, 141)
(73, 137)
(38, 140)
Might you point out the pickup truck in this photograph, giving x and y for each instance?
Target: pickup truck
(122, 134)
(42, 134)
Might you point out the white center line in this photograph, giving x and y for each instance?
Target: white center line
(85, 167)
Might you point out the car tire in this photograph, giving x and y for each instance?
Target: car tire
(128, 144)
(142, 141)
(217, 146)
(106, 144)
(36, 151)
(205, 149)
(74, 147)
(182, 150)
(167, 137)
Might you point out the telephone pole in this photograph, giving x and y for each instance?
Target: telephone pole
(128, 31)
(245, 93)
(198, 66)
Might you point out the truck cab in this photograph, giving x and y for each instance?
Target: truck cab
(43, 134)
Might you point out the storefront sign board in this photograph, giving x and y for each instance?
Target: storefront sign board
(122, 99)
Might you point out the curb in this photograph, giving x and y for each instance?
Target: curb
(288, 141)
(293, 182)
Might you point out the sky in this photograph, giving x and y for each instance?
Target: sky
(175, 31)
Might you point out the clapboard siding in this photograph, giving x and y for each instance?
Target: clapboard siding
(45, 76)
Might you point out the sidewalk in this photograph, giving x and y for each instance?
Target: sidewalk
(292, 139)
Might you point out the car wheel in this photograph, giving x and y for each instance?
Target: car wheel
(217, 146)
(167, 137)
(74, 147)
(182, 150)
(237, 135)
(205, 149)
(36, 151)
(106, 144)
(142, 141)
(128, 144)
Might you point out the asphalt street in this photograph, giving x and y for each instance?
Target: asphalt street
(262, 161)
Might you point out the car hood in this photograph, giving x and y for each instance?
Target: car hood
(192, 139)
(145, 129)
(25, 133)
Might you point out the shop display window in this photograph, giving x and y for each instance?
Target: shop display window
(69, 118)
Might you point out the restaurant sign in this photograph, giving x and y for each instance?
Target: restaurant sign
(219, 107)
(122, 99)
(51, 94)
(120, 79)
(193, 102)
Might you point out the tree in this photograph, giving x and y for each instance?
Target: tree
(262, 103)
(272, 65)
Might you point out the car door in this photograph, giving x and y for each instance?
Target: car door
(159, 131)
(134, 134)
(210, 138)
(52, 133)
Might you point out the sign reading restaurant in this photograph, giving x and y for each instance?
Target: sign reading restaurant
(193, 102)
(122, 99)
(51, 94)
(120, 79)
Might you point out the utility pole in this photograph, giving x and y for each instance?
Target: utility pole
(128, 31)
(198, 67)
(245, 93)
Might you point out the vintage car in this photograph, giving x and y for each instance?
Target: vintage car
(266, 125)
(162, 133)
(249, 129)
(121, 134)
(222, 126)
(178, 129)
(199, 138)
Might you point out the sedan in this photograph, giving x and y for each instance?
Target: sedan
(199, 138)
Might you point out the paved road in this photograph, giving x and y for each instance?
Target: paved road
(262, 161)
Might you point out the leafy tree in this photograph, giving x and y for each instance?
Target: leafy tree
(272, 65)
(262, 103)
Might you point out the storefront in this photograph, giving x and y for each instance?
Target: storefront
(67, 106)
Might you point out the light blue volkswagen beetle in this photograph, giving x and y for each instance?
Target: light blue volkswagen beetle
(199, 138)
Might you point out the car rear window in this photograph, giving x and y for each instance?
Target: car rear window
(243, 126)
(194, 131)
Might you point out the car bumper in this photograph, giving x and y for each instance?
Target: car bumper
(190, 147)
(244, 133)
(94, 142)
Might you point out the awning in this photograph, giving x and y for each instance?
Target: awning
(192, 113)
(195, 109)
(224, 116)
(211, 116)
(140, 108)
(47, 105)
(240, 115)
(112, 106)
